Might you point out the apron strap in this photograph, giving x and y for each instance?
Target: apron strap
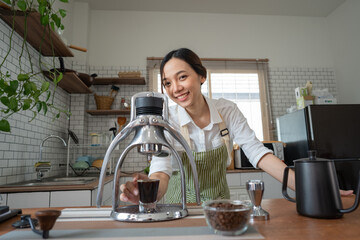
(224, 132)
(185, 133)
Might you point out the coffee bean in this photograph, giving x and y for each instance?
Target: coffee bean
(223, 219)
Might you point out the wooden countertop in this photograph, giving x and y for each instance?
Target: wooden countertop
(89, 186)
(284, 223)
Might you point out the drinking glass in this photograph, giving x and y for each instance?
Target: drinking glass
(148, 190)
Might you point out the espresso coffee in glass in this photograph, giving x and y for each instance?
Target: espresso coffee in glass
(148, 190)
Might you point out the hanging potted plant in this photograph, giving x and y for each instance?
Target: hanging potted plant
(28, 90)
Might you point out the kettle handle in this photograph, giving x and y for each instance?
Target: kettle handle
(284, 184)
(356, 203)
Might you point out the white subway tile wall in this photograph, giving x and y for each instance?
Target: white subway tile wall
(101, 124)
(19, 150)
(284, 80)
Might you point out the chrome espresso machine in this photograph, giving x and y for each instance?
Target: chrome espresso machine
(149, 121)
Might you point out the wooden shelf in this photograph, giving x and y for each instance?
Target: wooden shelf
(35, 33)
(108, 112)
(71, 83)
(120, 81)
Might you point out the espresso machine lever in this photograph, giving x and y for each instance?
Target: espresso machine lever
(149, 121)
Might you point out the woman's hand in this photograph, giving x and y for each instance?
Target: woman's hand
(344, 193)
(130, 191)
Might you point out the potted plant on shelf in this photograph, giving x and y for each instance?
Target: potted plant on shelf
(28, 90)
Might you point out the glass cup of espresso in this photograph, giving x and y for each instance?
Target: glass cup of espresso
(148, 190)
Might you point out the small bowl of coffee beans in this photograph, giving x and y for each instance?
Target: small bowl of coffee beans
(227, 217)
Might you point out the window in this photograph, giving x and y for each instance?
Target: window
(243, 82)
(243, 89)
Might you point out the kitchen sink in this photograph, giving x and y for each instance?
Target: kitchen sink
(54, 181)
(69, 179)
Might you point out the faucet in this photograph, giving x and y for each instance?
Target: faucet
(41, 168)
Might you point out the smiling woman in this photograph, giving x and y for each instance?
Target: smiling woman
(209, 126)
(243, 81)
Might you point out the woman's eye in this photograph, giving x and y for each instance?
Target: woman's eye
(166, 84)
(183, 77)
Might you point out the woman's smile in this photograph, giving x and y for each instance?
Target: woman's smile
(183, 97)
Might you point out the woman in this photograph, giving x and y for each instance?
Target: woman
(209, 126)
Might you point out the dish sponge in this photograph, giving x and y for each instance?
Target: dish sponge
(42, 166)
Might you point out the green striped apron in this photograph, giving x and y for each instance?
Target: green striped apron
(211, 169)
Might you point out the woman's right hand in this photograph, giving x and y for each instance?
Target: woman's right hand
(130, 191)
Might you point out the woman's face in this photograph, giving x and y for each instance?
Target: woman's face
(182, 83)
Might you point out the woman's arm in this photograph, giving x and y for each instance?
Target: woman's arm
(275, 167)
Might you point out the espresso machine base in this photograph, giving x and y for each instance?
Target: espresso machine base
(163, 212)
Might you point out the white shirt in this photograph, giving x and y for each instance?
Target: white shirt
(209, 138)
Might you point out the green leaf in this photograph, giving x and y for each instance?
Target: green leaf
(7, 1)
(23, 77)
(14, 85)
(13, 104)
(27, 88)
(44, 107)
(58, 115)
(5, 100)
(27, 104)
(38, 106)
(3, 84)
(33, 86)
(4, 125)
(44, 19)
(42, 9)
(58, 79)
(10, 91)
(56, 19)
(45, 86)
(48, 96)
(22, 4)
(62, 27)
(52, 25)
(36, 95)
(62, 13)
(65, 1)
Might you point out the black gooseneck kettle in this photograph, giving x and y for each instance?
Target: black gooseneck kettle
(317, 189)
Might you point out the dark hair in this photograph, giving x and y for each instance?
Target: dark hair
(187, 56)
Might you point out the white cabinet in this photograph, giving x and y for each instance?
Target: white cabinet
(107, 195)
(3, 199)
(75, 198)
(273, 188)
(238, 193)
(28, 200)
(237, 184)
(70, 198)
